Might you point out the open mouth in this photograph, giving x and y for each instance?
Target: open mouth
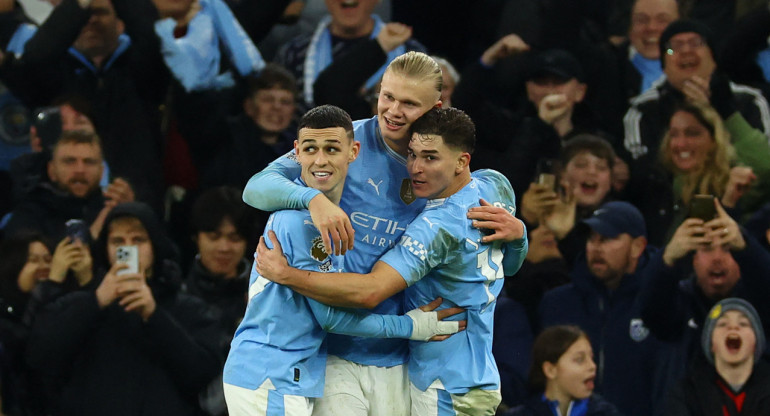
(321, 174)
(349, 4)
(733, 343)
(589, 383)
(684, 155)
(589, 187)
(393, 124)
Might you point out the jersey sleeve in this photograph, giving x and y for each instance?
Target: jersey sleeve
(273, 188)
(424, 245)
(360, 323)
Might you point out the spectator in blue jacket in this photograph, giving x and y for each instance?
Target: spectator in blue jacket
(602, 300)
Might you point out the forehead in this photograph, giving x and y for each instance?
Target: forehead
(103, 6)
(329, 134)
(587, 155)
(76, 150)
(732, 314)
(428, 143)
(653, 7)
(407, 88)
(126, 226)
(274, 90)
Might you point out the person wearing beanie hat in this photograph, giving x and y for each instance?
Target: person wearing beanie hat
(732, 380)
(691, 77)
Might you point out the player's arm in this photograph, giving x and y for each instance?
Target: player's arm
(421, 324)
(274, 189)
(337, 289)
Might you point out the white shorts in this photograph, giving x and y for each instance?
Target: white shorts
(361, 390)
(265, 401)
(435, 401)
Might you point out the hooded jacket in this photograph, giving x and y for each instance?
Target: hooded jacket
(111, 361)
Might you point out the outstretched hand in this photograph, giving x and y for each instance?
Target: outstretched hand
(506, 46)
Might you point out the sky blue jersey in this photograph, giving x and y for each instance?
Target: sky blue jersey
(379, 200)
(281, 337)
(442, 245)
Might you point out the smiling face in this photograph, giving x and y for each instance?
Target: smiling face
(403, 100)
(589, 177)
(688, 55)
(716, 271)
(221, 250)
(36, 268)
(733, 340)
(572, 377)
(690, 142)
(351, 18)
(434, 167)
(271, 109)
(325, 155)
(648, 20)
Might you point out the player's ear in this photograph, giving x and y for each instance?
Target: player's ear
(463, 161)
(355, 148)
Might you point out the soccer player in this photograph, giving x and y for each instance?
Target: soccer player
(443, 245)
(367, 376)
(277, 358)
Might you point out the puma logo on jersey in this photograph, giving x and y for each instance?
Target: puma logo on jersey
(430, 224)
(375, 185)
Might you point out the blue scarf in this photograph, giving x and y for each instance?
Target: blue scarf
(319, 56)
(763, 60)
(650, 69)
(576, 407)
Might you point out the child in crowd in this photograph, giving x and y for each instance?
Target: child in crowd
(732, 380)
(562, 375)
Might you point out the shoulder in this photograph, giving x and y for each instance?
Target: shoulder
(290, 223)
(651, 95)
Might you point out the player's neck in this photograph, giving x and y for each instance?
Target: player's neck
(335, 195)
(458, 183)
(399, 146)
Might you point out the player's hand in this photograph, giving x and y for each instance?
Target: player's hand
(428, 325)
(271, 264)
(506, 46)
(333, 224)
(393, 35)
(504, 225)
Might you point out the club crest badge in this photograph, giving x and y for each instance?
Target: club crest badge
(407, 193)
(638, 331)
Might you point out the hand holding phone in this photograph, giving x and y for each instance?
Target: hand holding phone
(128, 255)
(77, 230)
(702, 206)
(547, 179)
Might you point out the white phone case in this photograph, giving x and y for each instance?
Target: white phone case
(130, 256)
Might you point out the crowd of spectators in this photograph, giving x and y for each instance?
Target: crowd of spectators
(141, 121)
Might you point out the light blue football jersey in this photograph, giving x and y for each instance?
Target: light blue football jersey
(282, 337)
(442, 245)
(379, 200)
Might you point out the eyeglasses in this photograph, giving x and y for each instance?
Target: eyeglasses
(676, 46)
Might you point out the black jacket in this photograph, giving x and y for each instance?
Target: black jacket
(124, 94)
(111, 361)
(47, 208)
(597, 406)
(699, 394)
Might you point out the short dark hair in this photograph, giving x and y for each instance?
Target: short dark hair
(78, 137)
(327, 116)
(217, 204)
(452, 124)
(272, 76)
(590, 143)
(14, 252)
(549, 346)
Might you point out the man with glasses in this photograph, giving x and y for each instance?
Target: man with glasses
(691, 75)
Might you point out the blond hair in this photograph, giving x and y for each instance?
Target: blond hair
(418, 66)
(711, 177)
